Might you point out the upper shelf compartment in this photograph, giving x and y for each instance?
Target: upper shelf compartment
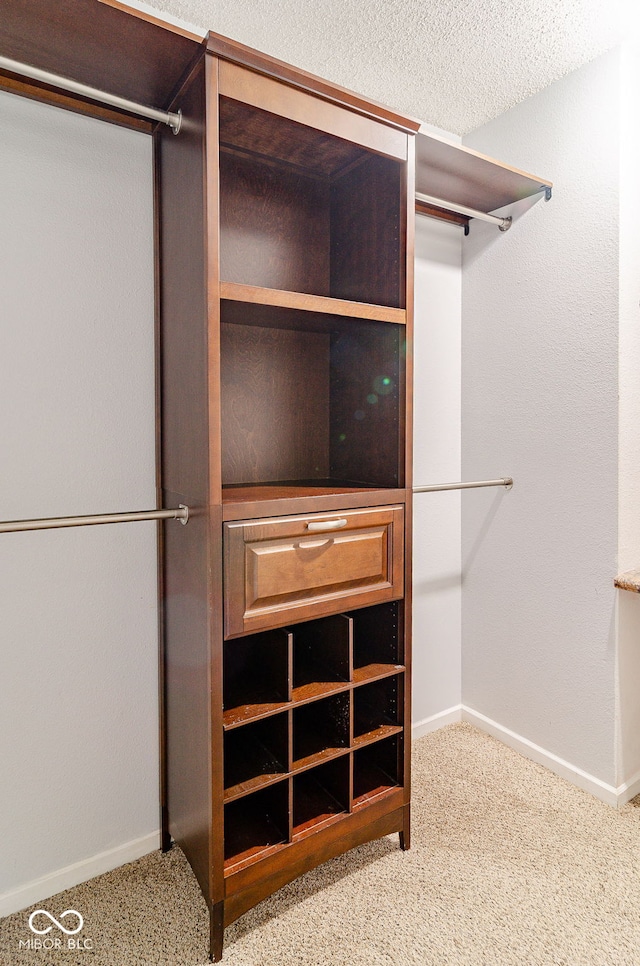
(305, 210)
(463, 177)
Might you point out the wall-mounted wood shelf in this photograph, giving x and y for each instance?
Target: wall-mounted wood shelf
(466, 177)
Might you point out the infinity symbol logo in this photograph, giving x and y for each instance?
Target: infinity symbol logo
(43, 912)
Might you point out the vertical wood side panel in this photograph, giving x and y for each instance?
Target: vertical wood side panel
(185, 472)
(215, 566)
(408, 472)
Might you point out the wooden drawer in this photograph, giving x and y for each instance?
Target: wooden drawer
(288, 569)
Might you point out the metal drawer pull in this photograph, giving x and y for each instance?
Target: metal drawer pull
(326, 524)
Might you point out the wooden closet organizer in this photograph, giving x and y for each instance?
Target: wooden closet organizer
(286, 292)
(284, 212)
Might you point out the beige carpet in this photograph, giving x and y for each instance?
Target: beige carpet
(508, 865)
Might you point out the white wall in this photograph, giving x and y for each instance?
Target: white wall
(78, 633)
(628, 670)
(539, 376)
(436, 549)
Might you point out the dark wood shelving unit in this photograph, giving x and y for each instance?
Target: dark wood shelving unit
(285, 231)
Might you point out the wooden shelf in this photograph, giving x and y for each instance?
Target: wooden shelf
(245, 713)
(253, 297)
(264, 780)
(375, 672)
(380, 786)
(382, 731)
(463, 176)
(316, 690)
(319, 757)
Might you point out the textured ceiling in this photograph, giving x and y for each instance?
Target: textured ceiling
(453, 63)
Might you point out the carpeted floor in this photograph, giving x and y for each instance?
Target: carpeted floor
(508, 865)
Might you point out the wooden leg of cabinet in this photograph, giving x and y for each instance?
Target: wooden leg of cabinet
(405, 832)
(216, 931)
(165, 836)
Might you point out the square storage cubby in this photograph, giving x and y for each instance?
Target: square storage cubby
(310, 400)
(321, 656)
(256, 675)
(305, 211)
(319, 795)
(376, 769)
(256, 824)
(320, 730)
(255, 754)
(376, 709)
(377, 640)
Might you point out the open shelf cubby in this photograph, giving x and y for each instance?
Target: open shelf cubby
(321, 656)
(307, 406)
(376, 769)
(320, 795)
(255, 676)
(320, 730)
(256, 824)
(307, 211)
(376, 709)
(255, 755)
(377, 641)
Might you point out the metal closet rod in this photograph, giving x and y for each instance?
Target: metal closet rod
(504, 224)
(54, 523)
(173, 119)
(506, 481)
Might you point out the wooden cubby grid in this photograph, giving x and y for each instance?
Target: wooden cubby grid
(324, 724)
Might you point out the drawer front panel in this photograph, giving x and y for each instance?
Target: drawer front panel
(282, 570)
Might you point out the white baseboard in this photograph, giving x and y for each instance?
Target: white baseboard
(72, 875)
(576, 776)
(629, 790)
(571, 773)
(436, 721)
